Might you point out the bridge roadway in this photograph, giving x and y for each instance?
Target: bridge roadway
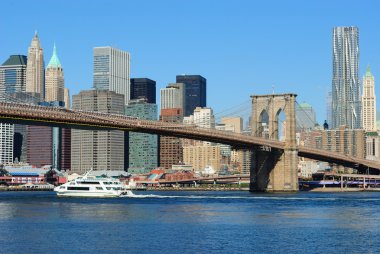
(214, 179)
(61, 117)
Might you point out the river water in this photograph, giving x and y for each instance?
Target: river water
(191, 222)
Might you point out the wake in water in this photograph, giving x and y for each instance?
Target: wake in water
(137, 196)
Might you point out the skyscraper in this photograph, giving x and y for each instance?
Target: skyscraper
(204, 118)
(6, 143)
(369, 101)
(65, 163)
(12, 82)
(54, 79)
(66, 97)
(112, 71)
(13, 75)
(173, 96)
(47, 145)
(100, 150)
(171, 152)
(172, 105)
(142, 147)
(195, 92)
(43, 149)
(39, 145)
(143, 88)
(35, 70)
(346, 103)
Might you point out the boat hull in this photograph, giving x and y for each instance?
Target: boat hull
(89, 194)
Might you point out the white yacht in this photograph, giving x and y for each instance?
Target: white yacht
(91, 186)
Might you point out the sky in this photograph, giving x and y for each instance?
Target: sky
(242, 47)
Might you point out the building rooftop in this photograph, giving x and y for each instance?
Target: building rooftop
(110, 173)
(35, 41)
(305, 105)
(16, 60)
(25, 169)
(368, 72)
(54, 61)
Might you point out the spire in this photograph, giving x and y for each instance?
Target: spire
(368, 72)
(54, 61)
(35, 41)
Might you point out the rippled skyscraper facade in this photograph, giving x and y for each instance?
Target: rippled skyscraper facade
(346, 101)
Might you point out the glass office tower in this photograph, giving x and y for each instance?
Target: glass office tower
(112, 71)
(195, 92)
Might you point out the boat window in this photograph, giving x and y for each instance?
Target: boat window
(78, 188)
(99, 188)
(109, 188)
(90, 182)
(62, 187)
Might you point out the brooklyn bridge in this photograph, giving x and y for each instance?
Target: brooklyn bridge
(274, 163)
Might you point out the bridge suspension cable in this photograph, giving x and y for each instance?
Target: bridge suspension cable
(239, 110)
(242, 110)
(19, 97)
(301, 124)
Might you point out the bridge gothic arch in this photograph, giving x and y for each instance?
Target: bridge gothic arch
(274, 170)
(263, 124)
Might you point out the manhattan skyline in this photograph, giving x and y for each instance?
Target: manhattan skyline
(241, 48)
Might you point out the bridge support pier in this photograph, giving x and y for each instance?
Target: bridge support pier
(274, 171)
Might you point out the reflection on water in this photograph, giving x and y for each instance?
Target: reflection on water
(189, 222)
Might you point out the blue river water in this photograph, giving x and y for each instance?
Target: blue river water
(191, 222)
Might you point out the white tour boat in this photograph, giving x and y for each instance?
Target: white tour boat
(91, 186)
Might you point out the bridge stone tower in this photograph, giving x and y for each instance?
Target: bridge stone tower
(272, 169)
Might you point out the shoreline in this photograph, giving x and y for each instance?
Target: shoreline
(319, 189)
(195, 189)
(332, 189)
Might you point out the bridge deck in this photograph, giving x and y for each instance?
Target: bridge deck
(54, 116)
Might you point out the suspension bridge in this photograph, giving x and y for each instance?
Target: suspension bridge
(274, 162)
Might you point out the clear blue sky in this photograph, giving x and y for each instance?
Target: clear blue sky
(241, 47)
